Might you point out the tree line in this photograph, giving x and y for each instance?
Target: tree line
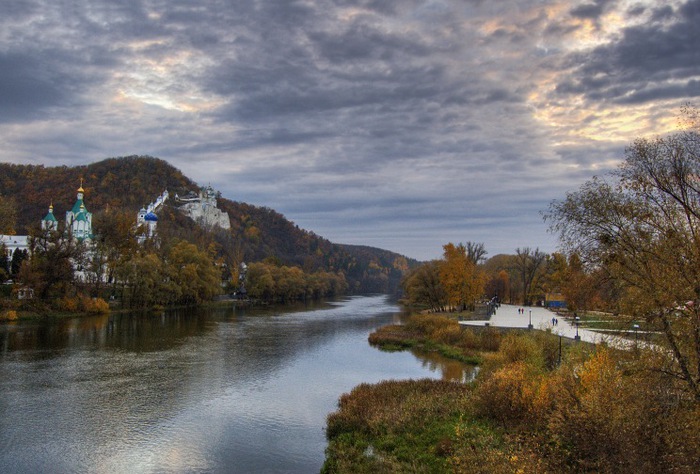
(464, 276)
(183, 265)
(64, 272)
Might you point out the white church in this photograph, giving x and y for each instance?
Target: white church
(78, 219)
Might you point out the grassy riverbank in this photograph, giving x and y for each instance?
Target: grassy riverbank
(598, 410)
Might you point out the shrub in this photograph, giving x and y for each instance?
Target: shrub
(470, 340)
(9, 315)
(515, 394)
(429, 324)
(490, 339)
(448, 334)
(67, 304)
(519, 348)
(94, 305)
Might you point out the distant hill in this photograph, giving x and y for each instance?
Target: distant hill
(256, 234)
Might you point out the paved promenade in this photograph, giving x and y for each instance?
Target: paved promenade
(507, 316)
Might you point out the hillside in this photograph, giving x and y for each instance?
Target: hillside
(256, 234)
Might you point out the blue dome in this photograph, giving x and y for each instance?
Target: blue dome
(151, 217)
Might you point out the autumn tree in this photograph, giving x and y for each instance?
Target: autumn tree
(579, 286)
(499, 285)
(642, 227)
(141, 278)
(553, 273)
(502, 267)
(49, 270)
(193, 273)
(422, 286)
(460, 277)
(268, 281)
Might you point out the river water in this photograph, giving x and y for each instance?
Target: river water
(209, 390)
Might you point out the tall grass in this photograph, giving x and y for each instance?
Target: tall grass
(438, 333)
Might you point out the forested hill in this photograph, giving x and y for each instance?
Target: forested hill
(257, 233)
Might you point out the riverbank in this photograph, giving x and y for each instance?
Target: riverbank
(35, 309)
(536, 406)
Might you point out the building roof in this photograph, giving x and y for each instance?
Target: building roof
(50, 217)
(77, 206)
(151, 217)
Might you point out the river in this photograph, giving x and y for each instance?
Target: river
(220, 390)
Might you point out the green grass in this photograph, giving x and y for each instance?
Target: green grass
(406, 426)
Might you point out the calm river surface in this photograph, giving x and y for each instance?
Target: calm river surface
(211, 390)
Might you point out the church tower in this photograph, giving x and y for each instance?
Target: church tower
(79, 219)
(49, 222)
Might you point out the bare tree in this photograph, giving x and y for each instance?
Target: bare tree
(476, 252)
(527, 263)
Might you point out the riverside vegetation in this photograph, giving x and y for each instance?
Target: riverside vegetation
(599, 410)
(632, 240)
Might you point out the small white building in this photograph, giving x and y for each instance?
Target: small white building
(13, 243)
(147, 218)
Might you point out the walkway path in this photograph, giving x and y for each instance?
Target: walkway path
(507, 316)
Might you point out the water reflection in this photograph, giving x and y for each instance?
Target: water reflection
(215, 390)
(450, 369)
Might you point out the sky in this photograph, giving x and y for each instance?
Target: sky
(402, 124)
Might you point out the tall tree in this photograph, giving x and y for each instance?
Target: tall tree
(141, 276)
(554, 273)
(194, 273)
(527, 264)
(460, 277)
(422, 286)
(578, 286)
(498, 285)
(4, 263)
(49, 270)
(114, 242)
(643, 229)
(18, 256)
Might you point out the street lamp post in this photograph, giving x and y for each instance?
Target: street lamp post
(560, 350)
(577, 320)
(529, 326)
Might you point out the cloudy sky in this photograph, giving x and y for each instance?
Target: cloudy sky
(399, 124)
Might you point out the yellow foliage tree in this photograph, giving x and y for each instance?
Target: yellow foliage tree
(462, 280)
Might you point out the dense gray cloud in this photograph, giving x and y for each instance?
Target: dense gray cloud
(658, 59)
(399, 124)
